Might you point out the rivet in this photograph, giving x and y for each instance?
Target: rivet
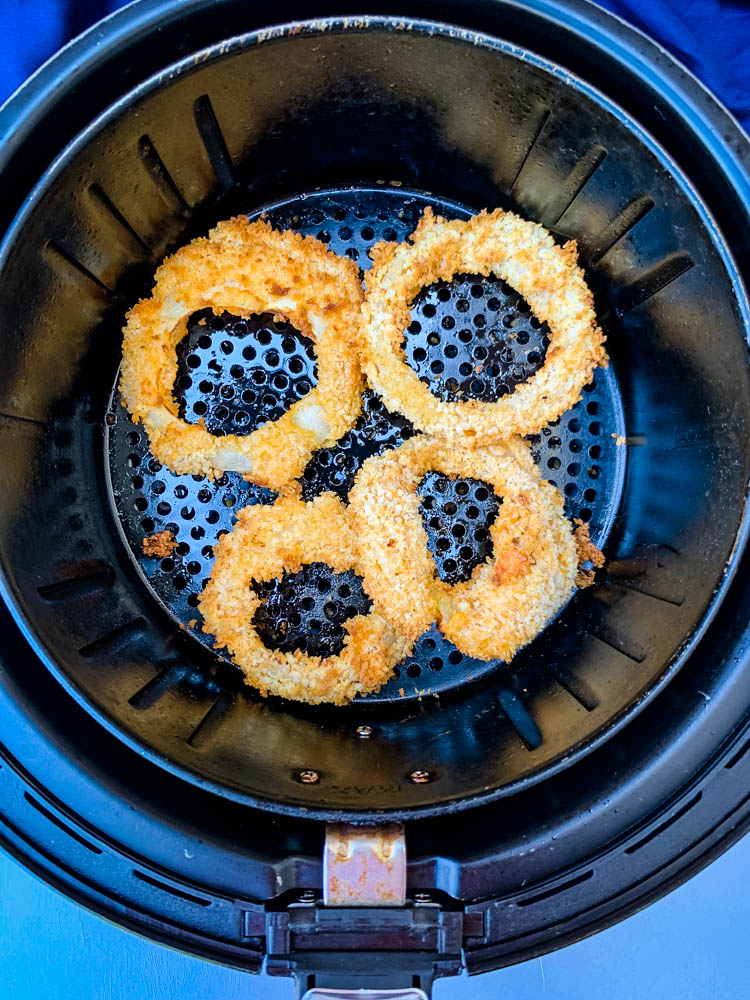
(364, 732)
(308, 777)
(420, 777)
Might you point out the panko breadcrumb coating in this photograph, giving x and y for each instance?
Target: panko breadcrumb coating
(524, 255)
(510, 597)
(265, 542)
(247, 268)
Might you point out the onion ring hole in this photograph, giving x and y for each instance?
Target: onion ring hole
(236, 372)
(457, 514)
(307, 610)
(473, 338)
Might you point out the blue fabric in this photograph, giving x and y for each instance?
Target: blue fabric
(712, 37)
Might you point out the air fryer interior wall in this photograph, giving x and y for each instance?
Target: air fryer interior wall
(268, 117)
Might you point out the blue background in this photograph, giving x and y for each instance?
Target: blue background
(711, 37)
(692, 945)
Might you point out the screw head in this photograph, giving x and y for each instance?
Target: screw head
(307, 896)
(364, 732)
(308, 777)
(422, 897)
(420, 777)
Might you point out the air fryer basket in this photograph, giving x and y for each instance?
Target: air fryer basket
(346, 128)
(351, 128)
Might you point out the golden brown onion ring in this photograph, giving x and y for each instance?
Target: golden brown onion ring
(266, 542)
(510, 597)
(524, 255)
(247, 268)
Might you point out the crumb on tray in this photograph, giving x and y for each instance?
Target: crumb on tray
(587, 553)
(160, 545)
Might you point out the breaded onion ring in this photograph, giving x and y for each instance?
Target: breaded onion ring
(247, 268)
(525, 256)
(509, 598)
(265, 542)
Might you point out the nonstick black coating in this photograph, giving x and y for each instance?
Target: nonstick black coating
(257, 123)
(578, 453)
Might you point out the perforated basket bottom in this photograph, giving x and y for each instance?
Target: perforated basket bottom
(578, 453)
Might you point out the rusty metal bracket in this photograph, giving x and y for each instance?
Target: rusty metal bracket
(364, 865)
(364, 931)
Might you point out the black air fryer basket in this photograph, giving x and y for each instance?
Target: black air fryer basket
(525, 805)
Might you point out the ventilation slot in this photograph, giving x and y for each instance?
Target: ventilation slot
(211, 721)
(575, 687)
(665, 825)
(172, 890)
(520, 719)
(36, 848)
(170, 193)
(628, 648)
(738, 756)
(150, 693)
(556, 890)
(60, 825)
(121, 225)
(639, 588)
(213, 140)
(650, 572)
(574, 184)
(21, 419)
(632, 214)
(58, 254)
(78, 586)
(115, 640)
(543, 119)
(652, 281)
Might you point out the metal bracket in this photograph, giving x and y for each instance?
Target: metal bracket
(364, 932)
(364, 865)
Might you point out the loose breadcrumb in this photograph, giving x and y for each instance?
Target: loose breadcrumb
(587, 552)
(521, 253)
(510, 597)
(247, 268)
(161, 545)
(619, 440)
